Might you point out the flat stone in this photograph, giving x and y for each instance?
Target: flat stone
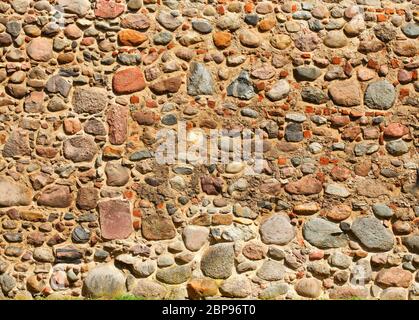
(236, 287)
(168, 21)
(80, 148)
(40, 49)
(307, 73)
(200, 80)
(117, 119)
(324, 234)
(115, 219)
(305, 186)
(372, 234)
(157, 226)
(394, 277)
(128, 81)
(277, 229)
(116, 174)
(57, 84)
(345, 93)
(165, 86)
(56, 196)
(314, 95)
(90, 100)
(149, 289)
(13, 193)
(17, 144)
(174, 275)
(79, 7)
(87, 198)
(397, 147)
(271, 271)
(412, 243)
(195, 237)
(108, 9)
(338, 190)
(382, 211)
(241, 87)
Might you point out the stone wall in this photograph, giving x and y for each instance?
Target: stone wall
(87, 210)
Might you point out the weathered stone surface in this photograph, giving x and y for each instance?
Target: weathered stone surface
(241, 87)
(115, 219)
(14, 193)
(380, 95)
(412, 243)
(89, 100)
(117, 118)
(217, 261)
(80, 148)
(104, 281)
(372, 234)
(149, 289)
(195, 237)
(277, 229)
(157, 226)
(200, 80)
(17, 144)
(394, 277)
(40, 49)
(236, 287)
(56, 196)
(305, 186)
(345, 93)
(324, 234)
(174, 275)
(308, 287)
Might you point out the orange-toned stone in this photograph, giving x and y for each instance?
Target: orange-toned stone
(132, 38)
(222, 39)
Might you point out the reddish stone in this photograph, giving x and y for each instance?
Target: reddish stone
(371, 133)
(56, 196)
(253, 251)
(316, 255)
(115, 219)
(71, 125)
(305, 186)
(169, 85)
(35, 238)
(118, 124)
(127, 81)
(351, 133)
(340, 173)
(211, 185)
(394, 277)
(46, 152)
(340, 121)
(395, 130)
(404, 76)
(145, 118)
(108, 9)
(135, 21)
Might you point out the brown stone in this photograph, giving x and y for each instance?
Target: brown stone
(117, 117)
(87, 198)
(306, 186)
(211, 185)
(56, 196)
(108, 9)
(254, 251)
(394, 277)
(115, 219)
(339, 212)
(395, 130)
(131, 38)
(157, 226)
(17, 144)
(169, 85)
